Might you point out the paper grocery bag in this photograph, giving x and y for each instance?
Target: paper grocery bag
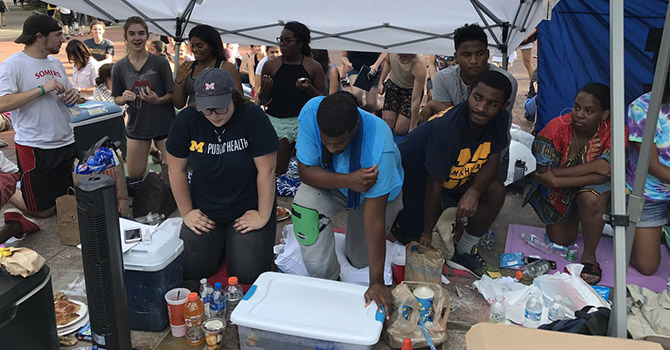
(22, 262)
(423, 264)
(119, 175)
(68, 223)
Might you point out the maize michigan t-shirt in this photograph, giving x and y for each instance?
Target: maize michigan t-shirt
(223, 185)
(45, 121)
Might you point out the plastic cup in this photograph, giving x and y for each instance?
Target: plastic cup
(425, 297)
(398, 273)
(176, 300)
(213, 329)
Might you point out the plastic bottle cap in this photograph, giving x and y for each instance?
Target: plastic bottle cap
(203, 281)
(217, 285)
(415, 248)
(518, 275)
(232, 280)
(406, 344)
(193, 296)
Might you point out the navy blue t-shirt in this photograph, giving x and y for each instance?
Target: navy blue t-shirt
(223, 185)
(445, 148)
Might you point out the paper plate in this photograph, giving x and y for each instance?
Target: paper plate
(83, 312)
(286, 216)
(73, 327)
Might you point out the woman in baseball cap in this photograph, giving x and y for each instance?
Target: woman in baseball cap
(229, 205)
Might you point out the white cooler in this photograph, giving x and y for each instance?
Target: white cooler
(282, 311)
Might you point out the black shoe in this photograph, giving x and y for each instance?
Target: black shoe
(472, 263)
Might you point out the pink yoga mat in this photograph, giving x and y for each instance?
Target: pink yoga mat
(605, 254)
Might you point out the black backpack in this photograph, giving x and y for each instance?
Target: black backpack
(594, 323)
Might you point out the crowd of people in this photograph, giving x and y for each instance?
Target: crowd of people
(454, 152)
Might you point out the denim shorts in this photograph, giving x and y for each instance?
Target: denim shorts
(654, 214)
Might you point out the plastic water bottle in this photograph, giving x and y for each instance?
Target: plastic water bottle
(205, 294)
(556, 309)
(233, 295)
(497, 311)
(487, 240)
(536, 242)
(533, 313)
(74, 109)
(534, 269)
(519, 176)
(217, 302)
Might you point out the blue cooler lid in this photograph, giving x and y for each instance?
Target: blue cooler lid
(165, 246)
(93, 109)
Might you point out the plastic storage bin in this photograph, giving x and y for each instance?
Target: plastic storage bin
(98, 119)
(282, 311)
(151, 271)
(27, 315)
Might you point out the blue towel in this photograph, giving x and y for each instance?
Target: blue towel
(353, 197)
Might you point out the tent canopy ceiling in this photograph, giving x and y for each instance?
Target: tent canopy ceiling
(419, 26)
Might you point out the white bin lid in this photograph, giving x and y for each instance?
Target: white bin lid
(311, 308)
(164, 248)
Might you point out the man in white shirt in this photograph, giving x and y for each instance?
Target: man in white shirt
(35, 88)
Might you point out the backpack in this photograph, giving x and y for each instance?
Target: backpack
(594, 323)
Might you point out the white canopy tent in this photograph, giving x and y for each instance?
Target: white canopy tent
(418, 26)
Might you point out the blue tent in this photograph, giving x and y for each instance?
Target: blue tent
(574, 50)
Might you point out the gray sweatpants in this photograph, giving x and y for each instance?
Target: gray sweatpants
(320, 259)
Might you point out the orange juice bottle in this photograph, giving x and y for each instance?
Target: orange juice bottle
(194, 315)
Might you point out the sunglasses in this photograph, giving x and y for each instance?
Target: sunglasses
(208, 112)
(284, 40)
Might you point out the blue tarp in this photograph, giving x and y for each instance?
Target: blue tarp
(574, 50)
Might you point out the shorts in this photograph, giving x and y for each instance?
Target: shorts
(46, 174)
(375, 82)
(286, 128)
(654, 214)
(156, 139)
(7, 187)
(67, 19)
(397, 99)
(526, 47)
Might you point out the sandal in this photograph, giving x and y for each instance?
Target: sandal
(593, 270)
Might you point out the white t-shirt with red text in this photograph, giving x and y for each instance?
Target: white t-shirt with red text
(45, 121)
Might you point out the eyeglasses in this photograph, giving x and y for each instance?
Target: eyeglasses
(209, 111)
(285, 40)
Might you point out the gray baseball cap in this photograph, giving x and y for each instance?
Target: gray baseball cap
(213, 89)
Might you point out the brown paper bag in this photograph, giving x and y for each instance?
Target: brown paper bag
(68, 223)
(398, 328)
(423, 264)
(21, 261)
(119, 175)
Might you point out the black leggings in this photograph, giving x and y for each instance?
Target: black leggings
(248, 254)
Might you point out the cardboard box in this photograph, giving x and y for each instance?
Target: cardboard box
(488, 336)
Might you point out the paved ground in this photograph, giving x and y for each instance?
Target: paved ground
(467, 306)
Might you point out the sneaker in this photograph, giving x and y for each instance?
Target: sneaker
(28, 226)
(472, 263)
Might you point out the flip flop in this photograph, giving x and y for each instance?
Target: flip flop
(593, 270)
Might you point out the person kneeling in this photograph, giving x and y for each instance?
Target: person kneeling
(228, 208)
(346, 160)
(453, 159)
(572, 183)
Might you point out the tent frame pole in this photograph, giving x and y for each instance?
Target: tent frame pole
(182, 22)
(617, 324)
(623, 238)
